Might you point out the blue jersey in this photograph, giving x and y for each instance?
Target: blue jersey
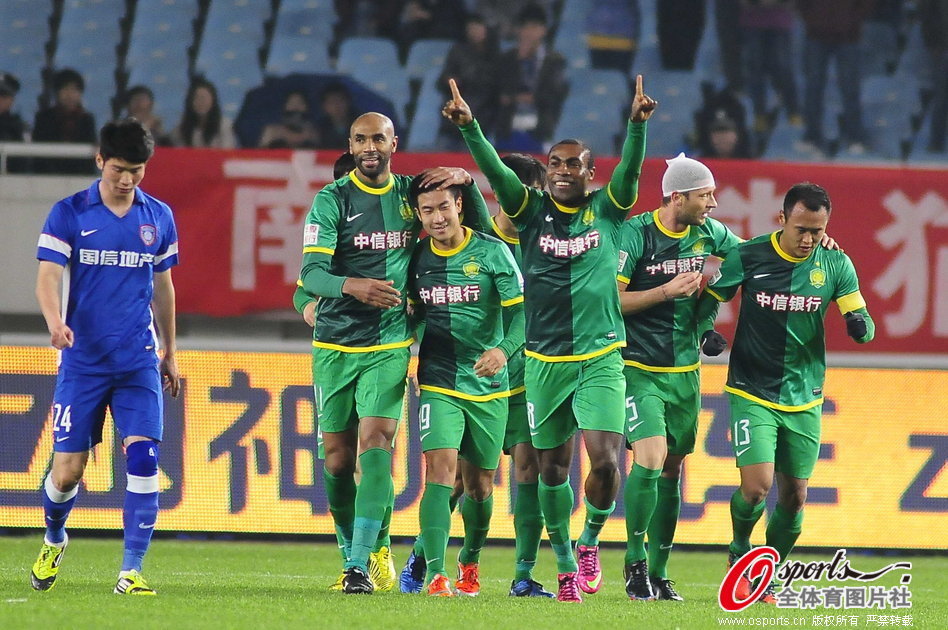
(108, 281)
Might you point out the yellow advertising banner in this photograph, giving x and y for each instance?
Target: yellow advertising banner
(239, 455)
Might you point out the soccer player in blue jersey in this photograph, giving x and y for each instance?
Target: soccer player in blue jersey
(104, 287)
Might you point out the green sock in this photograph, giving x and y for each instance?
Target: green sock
(476, 516)
(557, 505)
(384, 540)
(419, 546)
(743, 518)
(435, 519)
(641, 495)
(341, 492)
(661, 530)
(783, 529)
(528, 528)
(595, 519)
(372, 500)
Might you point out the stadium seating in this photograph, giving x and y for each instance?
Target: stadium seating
(373, 61)
(301, 38)
(24, 31)
(423, 131)
(597, 122)
(425, 55)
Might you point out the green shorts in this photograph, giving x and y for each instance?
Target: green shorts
(518, 430)
(353, 385)
(790, 440)
(663, 403)
(569, 395)
(474, 428)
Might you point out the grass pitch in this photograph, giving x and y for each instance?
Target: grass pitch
(283, 585)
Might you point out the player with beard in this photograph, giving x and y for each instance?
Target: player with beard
(357, 243)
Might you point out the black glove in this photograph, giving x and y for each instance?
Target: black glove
(855, 325)
(713, 343)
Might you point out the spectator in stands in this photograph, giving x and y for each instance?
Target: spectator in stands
(295, 129)
(724, 141)
(833, 30)
(680, 26)
(421, 19)
(65, 121)
(501, 15)
(532, 86)
(12, 127)
(613, 28)
(203, 125)
(933, 15)
(720, 111)
(140, 104)
(766, 33)
(727, 16)
(365, 18)
(335, 117)
(473, 64)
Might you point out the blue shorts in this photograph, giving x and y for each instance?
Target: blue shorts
(135, 399)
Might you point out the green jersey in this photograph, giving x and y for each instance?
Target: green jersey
(779, 352)
(460, 294)
(569, 254)
(664, 337)
(515, 362)
(356, 230)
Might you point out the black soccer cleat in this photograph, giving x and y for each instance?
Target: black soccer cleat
(356, 581)
(664, 589)
(637, 585)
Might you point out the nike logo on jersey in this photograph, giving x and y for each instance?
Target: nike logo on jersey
(88, 232)
(424, 435)
(633, 427)
(549, 218)
(761, 275)
(665, 546)
(60, 439)
(354, 217)
(143, 526)
(742, 451)
(641, 533)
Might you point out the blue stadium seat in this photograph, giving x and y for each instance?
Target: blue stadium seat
(606, 85)
(233, 72)
(170, 86)
(24, 31)
(361, 55)
(423, 132)
(166, 9)
(88, 36)
(597, 122)
(301, 39)
(678, 94)
(425, 55)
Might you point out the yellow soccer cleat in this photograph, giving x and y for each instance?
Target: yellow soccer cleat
(46, 567)
(337, 585)
(382, 569)
(133, 583)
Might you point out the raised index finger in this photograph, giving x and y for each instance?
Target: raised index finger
(639, 91)
(455, 93)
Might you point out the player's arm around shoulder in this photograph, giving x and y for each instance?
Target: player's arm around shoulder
(849, 299)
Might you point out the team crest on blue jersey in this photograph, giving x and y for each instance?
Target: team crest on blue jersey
(149, 234)
(817, 278)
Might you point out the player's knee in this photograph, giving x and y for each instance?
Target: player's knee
(672, 468)
(553, 474)
(339, 462)
(755, 493)
(142, 466)
(65, 480)
(480, 490)
(794, 500)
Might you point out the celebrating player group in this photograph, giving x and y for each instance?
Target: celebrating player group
(559, 317)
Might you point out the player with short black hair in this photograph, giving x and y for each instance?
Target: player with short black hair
(778, 364)
(461, 281)
(574, 325)
(357, 242)
(119, 245)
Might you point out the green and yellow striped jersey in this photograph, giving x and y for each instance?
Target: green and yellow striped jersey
(356, 230)
(779, 351)
(664, 337)
(460, 294)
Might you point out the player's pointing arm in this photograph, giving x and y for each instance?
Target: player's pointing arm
(624, 185)
(510, 192)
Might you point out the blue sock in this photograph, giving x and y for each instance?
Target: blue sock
(57, 506)
(141, 502)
